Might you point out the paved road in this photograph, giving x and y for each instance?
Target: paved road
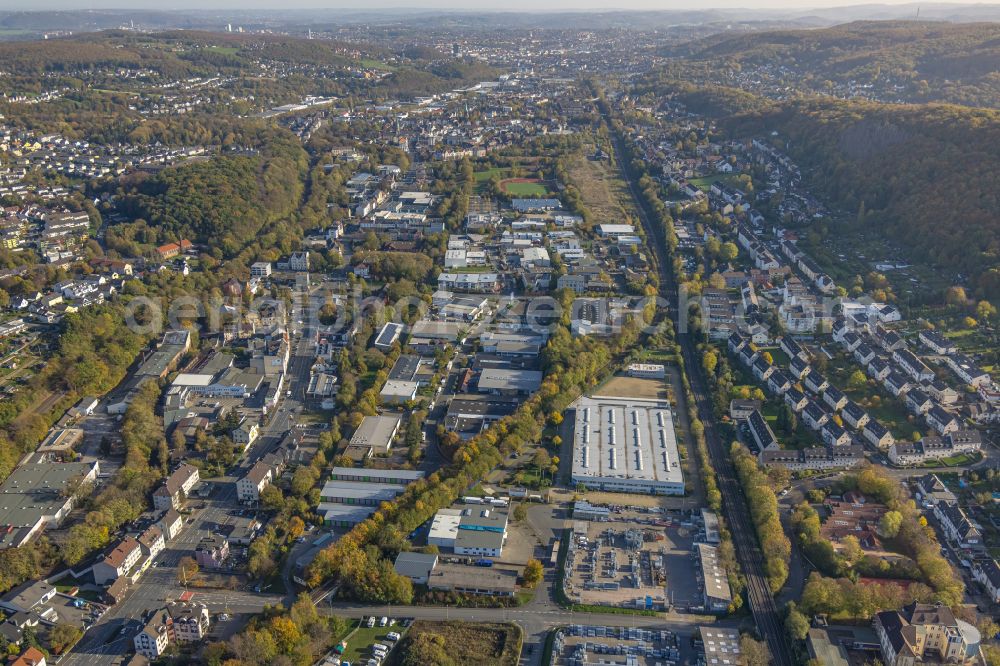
(536, 623)
(735, 508)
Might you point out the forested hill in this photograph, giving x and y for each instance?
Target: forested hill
(906, 61)
(223, 203)
(928, 176)
(101, 81)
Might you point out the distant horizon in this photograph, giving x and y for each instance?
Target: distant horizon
(459, 6)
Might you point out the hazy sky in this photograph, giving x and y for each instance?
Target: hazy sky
(459, 5)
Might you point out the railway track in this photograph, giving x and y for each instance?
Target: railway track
(734, 504)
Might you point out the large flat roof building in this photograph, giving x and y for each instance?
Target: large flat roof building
(398, 391)
(717, 594)
(388, 334)
(359, 492)
(374, 435)
(477, 531)
(481, 532)
(469, 415)
(473, 580)
(722, 646)
(344, 515)
(353, 494)
(405, 368)
(626, 445)
(33, 496)
(509, 382)
(416, 566)
(444, 528)
(373, 475)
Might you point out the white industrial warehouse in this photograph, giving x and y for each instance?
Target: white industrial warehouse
(626, 445)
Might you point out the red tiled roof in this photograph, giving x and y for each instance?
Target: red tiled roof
(121, 552)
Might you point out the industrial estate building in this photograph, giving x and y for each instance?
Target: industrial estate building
(374, 475)
(444, 528)
(416, 566)
(626, 445)
(353, 494)
(34, 496)
(717, 594)
(721, 645)
(481, 532)
(473, 580)
(373, 437)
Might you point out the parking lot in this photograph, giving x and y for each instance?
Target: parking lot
(363, 641)
(76, 611)
(579, 644)
(521, 545)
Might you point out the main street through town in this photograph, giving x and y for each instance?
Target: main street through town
(536, 618)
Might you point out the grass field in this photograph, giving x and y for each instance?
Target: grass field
(778, 357)
(602, 189)
(525, 190)
(634, 387)
(471, 269)
(658, 355)
(227, 50)
(484, 176)
(704, 183)
(960, 459)
(376, 64)
(360, 641)
(468, 643)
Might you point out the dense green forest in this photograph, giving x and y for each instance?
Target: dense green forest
(928, 176)
(176, 54)
(223, 203)
(919, 61)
